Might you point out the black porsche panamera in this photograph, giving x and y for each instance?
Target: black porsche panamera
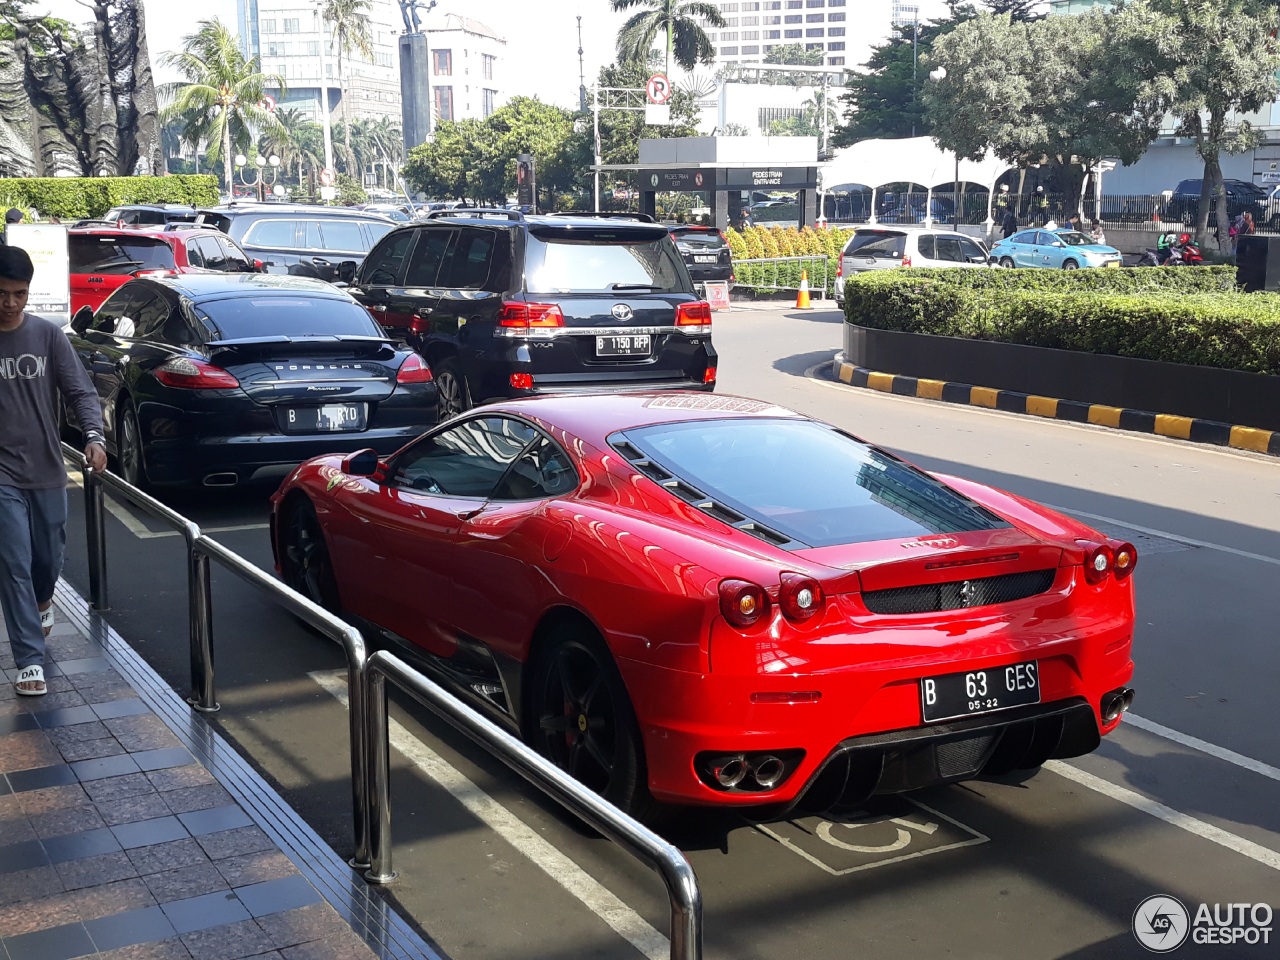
(222, 379)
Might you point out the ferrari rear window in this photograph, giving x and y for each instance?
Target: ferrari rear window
(808, 481)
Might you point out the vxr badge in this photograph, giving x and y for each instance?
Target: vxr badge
(622, 312)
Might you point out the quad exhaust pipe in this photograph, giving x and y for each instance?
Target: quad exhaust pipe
(1116, 703)
(766, 771)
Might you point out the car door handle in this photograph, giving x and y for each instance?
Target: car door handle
(320, 261)
(378, 307)
(425, 311)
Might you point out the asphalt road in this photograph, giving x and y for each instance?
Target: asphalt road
(1184, 800)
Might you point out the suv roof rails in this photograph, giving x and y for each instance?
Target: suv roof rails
(188, 225)
(514, 215)
(95, 223)
(606, 215)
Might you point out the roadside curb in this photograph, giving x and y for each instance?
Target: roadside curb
(1075, 411)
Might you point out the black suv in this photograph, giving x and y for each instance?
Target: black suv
(506, 305)
(1241, 196)
(705, 251)
(324, 243)
(149, 214)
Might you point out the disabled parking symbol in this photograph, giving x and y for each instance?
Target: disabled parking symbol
(890, 831)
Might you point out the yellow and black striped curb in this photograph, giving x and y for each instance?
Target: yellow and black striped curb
(1142, 421)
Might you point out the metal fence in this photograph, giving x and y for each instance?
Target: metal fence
(367, 705)
(784, 273)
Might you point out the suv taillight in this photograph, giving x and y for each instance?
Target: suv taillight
(517, 315)
(906, 260)
(694, 318)
(186, 373)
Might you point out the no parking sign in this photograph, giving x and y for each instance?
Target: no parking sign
(717, 294)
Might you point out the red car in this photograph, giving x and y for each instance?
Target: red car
(692, 599)
(104, 259)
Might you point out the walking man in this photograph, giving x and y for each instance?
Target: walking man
(37, 365)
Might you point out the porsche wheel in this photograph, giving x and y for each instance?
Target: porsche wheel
(304, 556)
(452, 396)
(584, 724)
(129, 452)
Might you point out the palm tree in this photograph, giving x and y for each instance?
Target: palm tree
(350, 19)
(286, 138)
(221, 100)
(682, 22)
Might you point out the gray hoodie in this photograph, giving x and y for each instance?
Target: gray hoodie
(36, 364)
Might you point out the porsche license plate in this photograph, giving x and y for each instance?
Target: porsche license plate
(328, 418)
(956, 695)
(632, 345)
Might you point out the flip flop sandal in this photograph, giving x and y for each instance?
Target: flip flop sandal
(32, 674)
(46, 620)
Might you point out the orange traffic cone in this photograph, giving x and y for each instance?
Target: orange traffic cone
(802, 298)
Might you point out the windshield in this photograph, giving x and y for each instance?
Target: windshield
(809, 481)
(554, 263)
(117, 255)
(242, 318)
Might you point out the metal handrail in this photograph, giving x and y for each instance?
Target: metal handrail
(639, 841)
(200, 550)
(819, 288)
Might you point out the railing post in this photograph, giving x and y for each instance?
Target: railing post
(96, 539)
(200, 629)
(360, 737)
(379, 750)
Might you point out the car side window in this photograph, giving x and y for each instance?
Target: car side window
(383, 266)
(1027, 237)
(428, 255)
(949, 250)
(119, 304)
(148, 313)
(195, 255)
(182, 327)
(341, 236)
(273, 233)
(468, 267)
(214, 256)
(236, 261)
(543, 470)
(1044, 239)
(970, 251)
(925, 243)
(466, 460)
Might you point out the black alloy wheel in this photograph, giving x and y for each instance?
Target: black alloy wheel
(452, 396)
(129, 453)
(304, 556)
(584, 723)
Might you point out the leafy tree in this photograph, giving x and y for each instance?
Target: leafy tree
(351, 34)
(221, 100)
(622, 130)
(1016, 9)
(1062, 92)
(292, 139)
(681, 20)
(1222, 61)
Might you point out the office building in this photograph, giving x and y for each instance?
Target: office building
(466, 59)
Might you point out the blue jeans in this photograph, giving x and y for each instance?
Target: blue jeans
(33, 532)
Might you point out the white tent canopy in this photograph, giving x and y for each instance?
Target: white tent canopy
(874, 163)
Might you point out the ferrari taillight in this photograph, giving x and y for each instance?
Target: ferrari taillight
(1097, 563)
(1124, 558)
(743, 604)
(800, 597)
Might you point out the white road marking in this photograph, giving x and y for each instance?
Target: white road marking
(1204, 746)
(625, 922)
(138, 528)
(1207, 831)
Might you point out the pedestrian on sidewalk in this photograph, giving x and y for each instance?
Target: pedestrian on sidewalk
(37, 368)
(1009, 225)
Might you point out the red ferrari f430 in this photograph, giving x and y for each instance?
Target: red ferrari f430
(695, 599)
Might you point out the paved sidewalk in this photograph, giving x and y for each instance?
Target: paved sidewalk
(115, 841)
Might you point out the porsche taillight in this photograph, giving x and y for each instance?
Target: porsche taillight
(413, 370)
(800, 597)
(187, 373)
(743, 603)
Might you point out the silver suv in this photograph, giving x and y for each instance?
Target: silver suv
(883, 248)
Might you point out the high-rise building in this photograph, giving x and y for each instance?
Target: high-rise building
(902, 15)
(1078, 6)
(466, 69)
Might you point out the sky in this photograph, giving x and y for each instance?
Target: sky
(542, 38)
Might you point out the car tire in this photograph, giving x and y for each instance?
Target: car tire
(1070, 265)
(1007, 263)
(304, 555)
(452, 395)
(583, 722)
(130, 452)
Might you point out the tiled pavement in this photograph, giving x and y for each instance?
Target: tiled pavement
(115, 841)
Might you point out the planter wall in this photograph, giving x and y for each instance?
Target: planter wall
(1207, 393)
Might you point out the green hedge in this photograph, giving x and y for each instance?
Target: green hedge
(1191, 315)
(78, 198)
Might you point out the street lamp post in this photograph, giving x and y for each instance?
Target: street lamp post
(324, 94)
(937, 76)
(259, 181)
(915, 64)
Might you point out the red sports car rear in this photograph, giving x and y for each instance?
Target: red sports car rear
(695, 599)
